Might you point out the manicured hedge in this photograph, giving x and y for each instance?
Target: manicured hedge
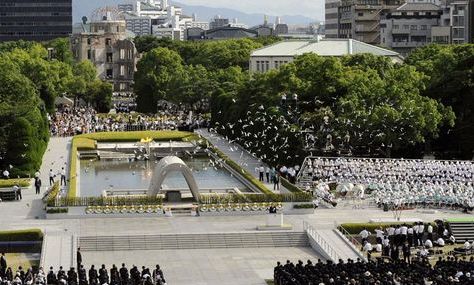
(21, 235)
(257, 183)
(290, 186)
(254, 198)
(303, 206)
(22, 182)
(53, 194)
(356, 228)
(57, 210)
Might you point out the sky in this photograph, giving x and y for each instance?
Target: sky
(309, 8)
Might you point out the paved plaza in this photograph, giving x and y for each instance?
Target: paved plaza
(201, 266)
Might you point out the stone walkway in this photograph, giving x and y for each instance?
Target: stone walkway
(238, 154)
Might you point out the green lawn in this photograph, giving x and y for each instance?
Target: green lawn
(461, 220)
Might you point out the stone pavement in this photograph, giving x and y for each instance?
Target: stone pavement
(238, 154)
(234, 266)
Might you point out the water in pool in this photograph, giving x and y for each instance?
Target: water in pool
(99, 175)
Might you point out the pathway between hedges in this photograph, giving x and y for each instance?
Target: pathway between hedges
(238, 154)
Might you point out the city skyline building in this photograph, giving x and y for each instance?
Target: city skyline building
(35, 20)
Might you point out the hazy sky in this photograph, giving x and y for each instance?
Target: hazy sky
(310, 8)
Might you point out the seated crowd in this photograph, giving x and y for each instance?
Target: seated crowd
(114, 276)
(397, 272)
(401, 182)
(72, 121)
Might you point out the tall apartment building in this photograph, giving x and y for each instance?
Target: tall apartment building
(332, 18)
(461, 14)
(105, 43)
(360, 19)
(409, 26)
(35, 20)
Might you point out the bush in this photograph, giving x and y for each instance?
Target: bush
(22, 182)
(257, 183)
(57, 210)
(290, 186)
(303, 206)
(356, 228)
(21, 235)
(52, 194)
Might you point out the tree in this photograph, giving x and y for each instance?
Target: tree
(157, 78)
(61, 50)
(24, 131)
(449, 71)
(101, 94)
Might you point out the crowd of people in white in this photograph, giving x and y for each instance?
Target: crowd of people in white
(399, 181)
(67, 121)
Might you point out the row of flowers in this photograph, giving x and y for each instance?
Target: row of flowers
(239, 207)
(141, 209)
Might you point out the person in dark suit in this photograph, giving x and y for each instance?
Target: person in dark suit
(3, 265)
(93, 276)
(51, 279)
(124, 276)
(72, 276)
(79, 257)
(38, 185)
(82, 276)
(103, 275)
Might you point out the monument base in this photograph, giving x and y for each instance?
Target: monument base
(274, 222)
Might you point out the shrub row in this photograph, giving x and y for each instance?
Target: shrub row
(254, 198)
(21, 235)
(290, 186)
(257, 183)
(303, 206)
(356, 228)
(22, 182)
(105, 201)
(53, 193)
(57, 210)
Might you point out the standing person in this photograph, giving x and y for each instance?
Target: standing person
(406, 252)
(17, 190)
(261, 171)
(276, 182)
(430, 231)
(79, 257)
(267, 173)
(51, 177)
(82, 275)
(364, 234)
(38, 185)
(3, 264)
(124, 276)
(63, 176)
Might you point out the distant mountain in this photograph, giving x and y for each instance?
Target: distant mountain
(206, 13)
(86, 7)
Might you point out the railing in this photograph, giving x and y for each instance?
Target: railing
(325, 246)
(352, 239)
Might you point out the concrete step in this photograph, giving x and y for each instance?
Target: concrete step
(194, 241)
